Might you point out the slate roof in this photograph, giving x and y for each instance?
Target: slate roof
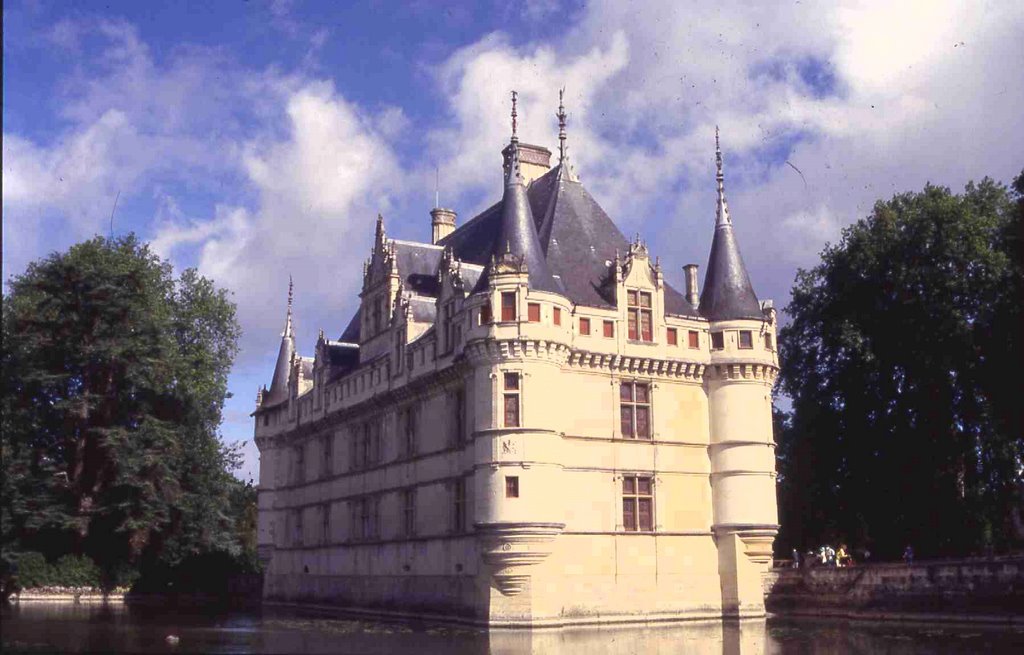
(727, 292)
(577, 236)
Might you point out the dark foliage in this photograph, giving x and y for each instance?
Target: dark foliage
(903, 362)
(114, 375)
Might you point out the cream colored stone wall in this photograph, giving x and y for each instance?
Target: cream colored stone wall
(558, 553)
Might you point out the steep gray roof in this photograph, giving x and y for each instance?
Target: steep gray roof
(727, 292)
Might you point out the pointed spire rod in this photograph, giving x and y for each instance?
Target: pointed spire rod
(722, 208)
(288, 319)
(561, 125)
(515, 138)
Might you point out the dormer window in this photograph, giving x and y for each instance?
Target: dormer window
(638, 312)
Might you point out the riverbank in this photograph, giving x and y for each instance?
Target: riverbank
(69, 594)
(989, 591)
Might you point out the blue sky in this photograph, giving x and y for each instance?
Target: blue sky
(260, 139)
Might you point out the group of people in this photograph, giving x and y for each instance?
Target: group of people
(826, 555)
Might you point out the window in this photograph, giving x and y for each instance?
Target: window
(511, 486)
(672, 336)
(584, 326)
(409, 512)
(459, 417)
(637, 504)
(746, 339)
(366, 444)
(446, 322)
(297, 536)
(694, 339)
(609, 328)
(365, 517)
(635, 410)
(408, 419)
(768, 343)
(508, 306)
(328, 464)
(717, 340)
(266, 420)
(638, 312)
(300, 465)
(398, 351)
(557, 315)
(325, 515)
(459, 505)
(533, 312)
(485, 313)
(511, 395)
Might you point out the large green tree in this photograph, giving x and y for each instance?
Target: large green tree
(903, 361)
(114, 376)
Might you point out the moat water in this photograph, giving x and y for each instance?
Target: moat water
(67, 627)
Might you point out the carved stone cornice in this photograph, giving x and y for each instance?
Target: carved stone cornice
(749, 371)
(493, 351)
(510, 549)
(651, 366)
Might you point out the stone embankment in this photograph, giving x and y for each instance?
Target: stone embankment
(984, 590)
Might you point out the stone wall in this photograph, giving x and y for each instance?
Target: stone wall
(973, 589)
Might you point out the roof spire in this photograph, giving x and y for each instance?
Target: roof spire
(288, 319)
(722, 209)
(279, 383)
(727, 292)
(562, 149)
(515, 138)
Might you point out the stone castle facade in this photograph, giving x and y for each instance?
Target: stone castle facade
(525, 425)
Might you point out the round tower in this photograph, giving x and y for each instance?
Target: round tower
(738, 382)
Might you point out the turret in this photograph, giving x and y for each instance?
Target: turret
(739, 381)
(279, 384)
(517, 239)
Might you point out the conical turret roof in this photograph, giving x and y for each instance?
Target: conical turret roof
(279, 384)
(517, 236)
(727, 292)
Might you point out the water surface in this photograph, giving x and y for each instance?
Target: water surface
(88, 628)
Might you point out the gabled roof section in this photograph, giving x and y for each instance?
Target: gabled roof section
(727, 292)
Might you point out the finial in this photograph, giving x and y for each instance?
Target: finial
(561, 125)
(722, 209)
(515, 138)
(288, 318)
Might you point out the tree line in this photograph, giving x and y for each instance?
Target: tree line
(114, 377)
(902, 360)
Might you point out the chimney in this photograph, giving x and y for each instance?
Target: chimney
(534, 161)
(442, 221)
(692, 296)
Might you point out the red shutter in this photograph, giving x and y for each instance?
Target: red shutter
(512, 410)
(645, 514)
(508, 306)
(632, 324)
(673, 339)
(645, 326)
(627, 420)
(533, 312)
(609, 329)
(643, 428)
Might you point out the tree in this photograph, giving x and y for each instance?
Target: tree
(903, 361)
(114, 376)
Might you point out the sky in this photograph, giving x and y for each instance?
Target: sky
(260, 139)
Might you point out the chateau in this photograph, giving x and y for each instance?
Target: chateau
(525, 425)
